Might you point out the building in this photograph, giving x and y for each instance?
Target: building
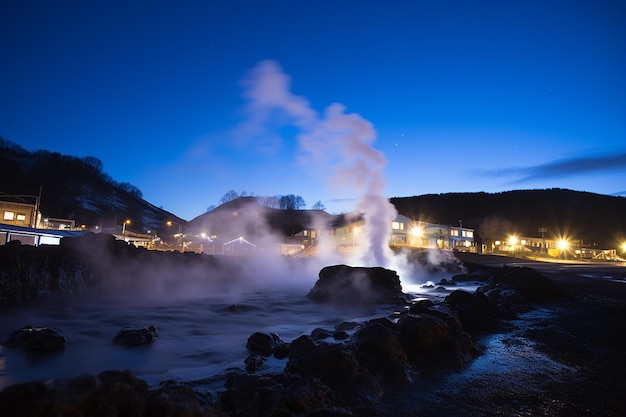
(17, 211)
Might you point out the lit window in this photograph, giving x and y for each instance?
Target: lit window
(9, 215)
(454, 232)
(397, 225)
(21, 217)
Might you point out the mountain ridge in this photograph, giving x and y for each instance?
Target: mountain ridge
(78, 189)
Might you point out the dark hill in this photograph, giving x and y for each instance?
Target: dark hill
(76, 189)
(599, 220)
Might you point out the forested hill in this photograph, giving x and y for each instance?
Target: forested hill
(75, 188)
(599, 220)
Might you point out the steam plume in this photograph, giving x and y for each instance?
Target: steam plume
(337, 142)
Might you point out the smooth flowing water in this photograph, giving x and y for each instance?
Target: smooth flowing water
(202, 327)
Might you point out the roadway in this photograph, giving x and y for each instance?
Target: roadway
(603, 278)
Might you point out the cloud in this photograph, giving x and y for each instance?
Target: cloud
(593, 164)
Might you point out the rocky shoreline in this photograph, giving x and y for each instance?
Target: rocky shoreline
(421, 360)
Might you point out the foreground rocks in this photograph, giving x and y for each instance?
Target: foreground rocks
(345, 370)
(110, 393)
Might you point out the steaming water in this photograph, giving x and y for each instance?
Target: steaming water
(202, 328)
(196, 334)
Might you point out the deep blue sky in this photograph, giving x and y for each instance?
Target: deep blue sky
(462, 96)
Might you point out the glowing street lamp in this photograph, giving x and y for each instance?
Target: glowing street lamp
(180, 233)
(124, 226)
(562, 245)
(513, 243)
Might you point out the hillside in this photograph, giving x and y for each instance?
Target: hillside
(599, 220)
(76, 188)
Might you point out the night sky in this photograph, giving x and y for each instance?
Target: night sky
(323, 99)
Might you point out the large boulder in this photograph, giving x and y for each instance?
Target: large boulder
(129, 336)
(357, 285)
(36, 338)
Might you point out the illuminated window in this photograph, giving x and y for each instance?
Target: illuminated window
(468, 233)
(9, 215)
(21, 217)
(397, 225)
(454, 232)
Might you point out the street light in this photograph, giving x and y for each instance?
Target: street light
(182, 243)
(124, 226)
(562, 245)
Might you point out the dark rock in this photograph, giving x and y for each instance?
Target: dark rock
(380, 351)
(283, 394)
(420, 306)
(347, 325)
(475, 312)
(335, 365)
(254, 362)
(110, 393)
(383, 322)
(136, 336)
(430, 342)
(320, 334)
(263, 343)
(340, 335)
(357, 285)
(179, 400)
(281, 350)
(36, 338)
(519, 285)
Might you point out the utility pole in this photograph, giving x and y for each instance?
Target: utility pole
(543, 241)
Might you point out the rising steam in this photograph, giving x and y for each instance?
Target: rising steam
(336, 142)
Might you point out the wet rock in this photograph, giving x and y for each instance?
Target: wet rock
(519, 285)
(263, 343)
(179, 400)
(282, 394)
(320, 334)
(110, 393)
(36, 338)
(357, 285)
(335, 365)
(474, 310)
(379, 350)
(346, 325)
(136, 336)
(281, 350)
(254, 362)
(430, 341)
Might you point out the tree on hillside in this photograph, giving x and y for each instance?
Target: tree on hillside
(291, 202)
(270, 201)
(229, 196)
(319, 206)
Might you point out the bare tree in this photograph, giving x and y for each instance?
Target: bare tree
(319, 206)
(291, 202)
(268, 201)
(229, 196)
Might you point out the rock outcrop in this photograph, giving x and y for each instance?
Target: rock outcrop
(357, 285)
